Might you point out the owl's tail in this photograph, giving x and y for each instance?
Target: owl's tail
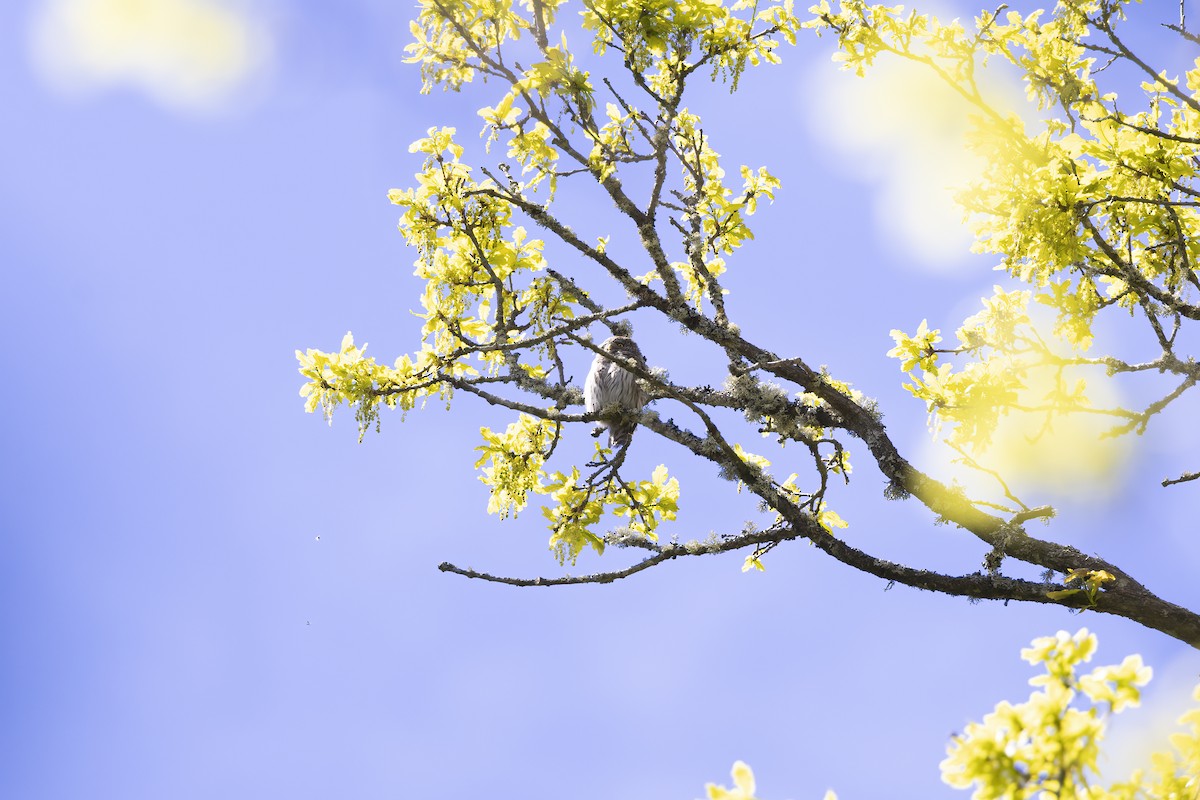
(620, 434)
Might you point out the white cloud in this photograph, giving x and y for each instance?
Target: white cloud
(186, 54)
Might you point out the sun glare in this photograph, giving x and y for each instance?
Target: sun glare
(903, 129)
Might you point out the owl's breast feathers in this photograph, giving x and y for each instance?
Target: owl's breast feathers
(610, 384)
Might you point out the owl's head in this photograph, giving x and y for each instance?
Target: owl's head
(625, 347)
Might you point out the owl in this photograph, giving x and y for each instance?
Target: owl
(610, 385)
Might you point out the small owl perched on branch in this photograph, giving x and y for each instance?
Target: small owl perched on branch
(609, 384)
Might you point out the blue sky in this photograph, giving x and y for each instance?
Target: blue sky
(173, 625)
